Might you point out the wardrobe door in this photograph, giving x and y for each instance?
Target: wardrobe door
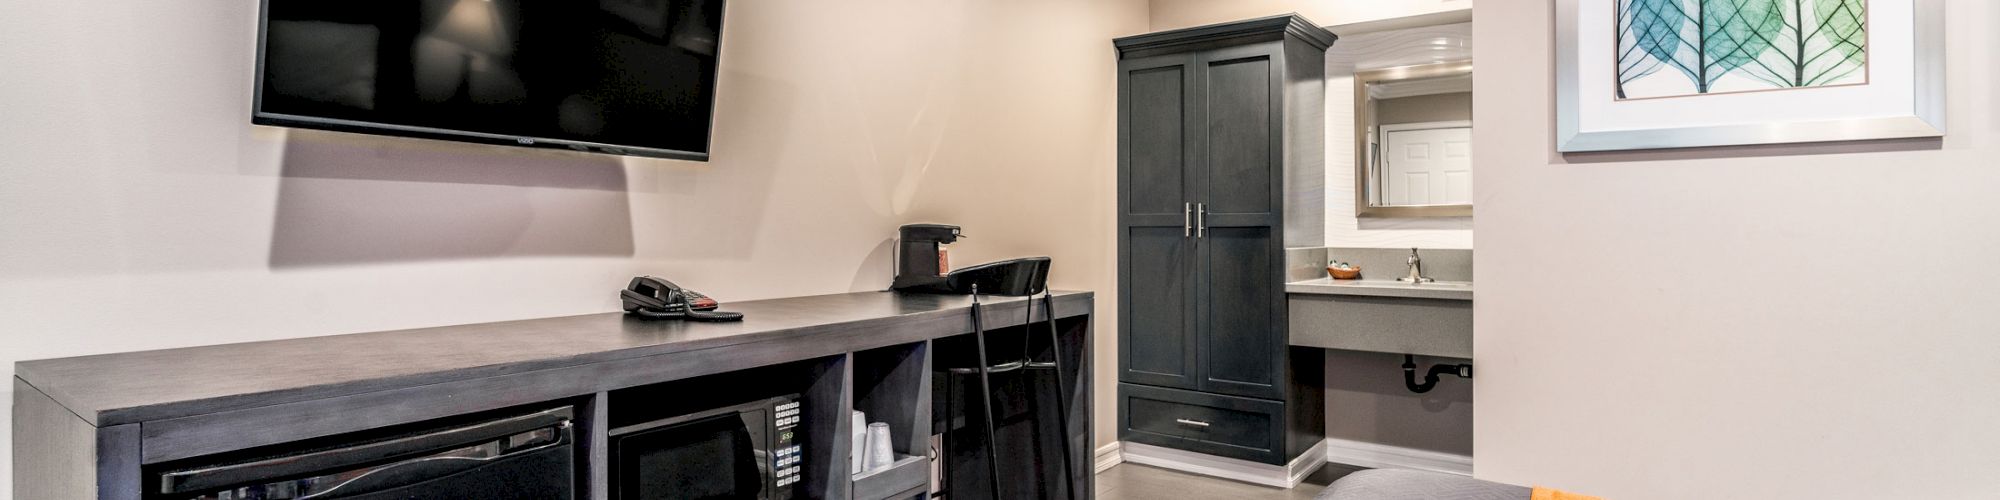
(1156, 328)
(1242, 338)
(1240, 222)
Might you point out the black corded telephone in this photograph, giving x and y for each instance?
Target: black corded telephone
(655, 298)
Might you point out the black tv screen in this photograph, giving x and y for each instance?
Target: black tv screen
(633, 77)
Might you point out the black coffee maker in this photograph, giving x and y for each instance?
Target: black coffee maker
(921, 261)
(923, 265)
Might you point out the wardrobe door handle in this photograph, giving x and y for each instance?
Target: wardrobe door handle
(1201, 220)
(1186, 227)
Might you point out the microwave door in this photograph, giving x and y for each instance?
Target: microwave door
(756, 459)
(715, 458)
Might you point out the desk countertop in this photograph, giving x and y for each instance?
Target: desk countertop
(140, 386)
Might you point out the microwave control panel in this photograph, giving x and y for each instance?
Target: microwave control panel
(787, 453)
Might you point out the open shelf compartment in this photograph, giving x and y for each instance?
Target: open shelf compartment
(909, 477)
(892, 385)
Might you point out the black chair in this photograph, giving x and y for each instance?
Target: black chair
(1020, 278)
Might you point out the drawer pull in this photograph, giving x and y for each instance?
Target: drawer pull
(1196, 423)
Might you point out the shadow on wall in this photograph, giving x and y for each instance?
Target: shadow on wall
(350, 199)
(715, 209)
(877, 270)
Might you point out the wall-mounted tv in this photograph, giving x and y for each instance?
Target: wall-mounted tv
(629, 77)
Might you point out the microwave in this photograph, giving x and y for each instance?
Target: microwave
(751, 451)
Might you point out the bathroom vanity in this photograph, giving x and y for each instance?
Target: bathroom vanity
(110, 426)
(1378, 313)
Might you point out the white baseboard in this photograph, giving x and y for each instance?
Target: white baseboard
(1285, 476)
(1305, 465)
(1377, 456)
(1108, 457)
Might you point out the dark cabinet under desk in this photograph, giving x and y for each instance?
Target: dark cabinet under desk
(1221, 162)
(519, 456)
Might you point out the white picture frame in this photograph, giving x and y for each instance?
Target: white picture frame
(1904, 96)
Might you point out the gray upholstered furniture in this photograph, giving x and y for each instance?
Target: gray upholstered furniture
(1385, 484)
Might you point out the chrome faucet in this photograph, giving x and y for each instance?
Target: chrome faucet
(1416, 276)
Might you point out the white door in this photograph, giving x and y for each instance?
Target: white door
(1428, 166)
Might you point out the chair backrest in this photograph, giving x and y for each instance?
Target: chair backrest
(1015, 278)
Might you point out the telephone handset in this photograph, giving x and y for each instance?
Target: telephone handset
(654, 298)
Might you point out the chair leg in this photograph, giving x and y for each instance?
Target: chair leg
(986, 396)
(943, 451)
(1035, 401)
(1062, 395)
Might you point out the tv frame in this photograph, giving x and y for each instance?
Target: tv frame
(259, 117)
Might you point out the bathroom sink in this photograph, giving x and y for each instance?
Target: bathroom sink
(1445, 290)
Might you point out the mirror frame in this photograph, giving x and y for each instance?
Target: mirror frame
(1364, 117)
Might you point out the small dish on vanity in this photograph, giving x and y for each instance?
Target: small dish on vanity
(1343, 271)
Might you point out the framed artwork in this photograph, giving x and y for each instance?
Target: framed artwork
(1653, 74)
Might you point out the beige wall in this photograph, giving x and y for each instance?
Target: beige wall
(140, 210)
(1170, 14)
(1785, 322)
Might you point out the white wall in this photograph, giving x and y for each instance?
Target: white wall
(1790, 322)
(140, 210)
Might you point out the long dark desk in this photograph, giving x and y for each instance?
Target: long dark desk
(85, 426)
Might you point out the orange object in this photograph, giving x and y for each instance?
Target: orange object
(1344, 274)
(944, 260)
(1543, 493)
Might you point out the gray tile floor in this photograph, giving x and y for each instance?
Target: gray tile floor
(1140, 482)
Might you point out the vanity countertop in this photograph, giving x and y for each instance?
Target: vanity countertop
(1446, 290)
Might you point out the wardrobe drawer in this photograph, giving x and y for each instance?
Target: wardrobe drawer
(1229, 426)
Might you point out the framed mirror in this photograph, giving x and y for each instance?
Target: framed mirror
(1413, 137)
